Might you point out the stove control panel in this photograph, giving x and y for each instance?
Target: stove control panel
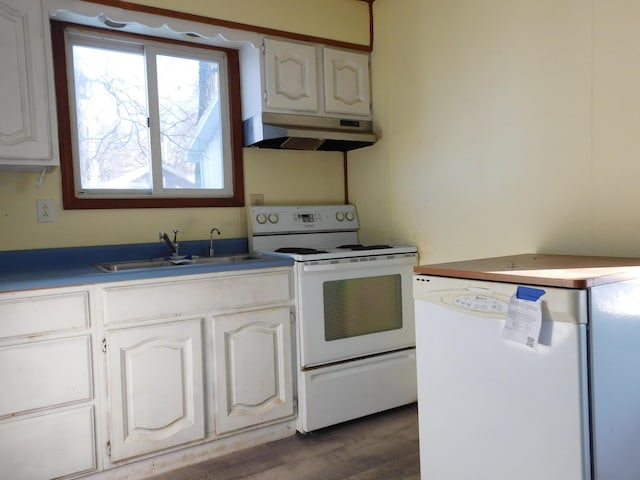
(265, 219)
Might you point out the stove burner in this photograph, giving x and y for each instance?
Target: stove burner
(364, 247)
(299, 250)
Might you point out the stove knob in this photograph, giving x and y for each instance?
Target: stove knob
(261, 218)
(273, 218)
(340, 216)
(350, 216)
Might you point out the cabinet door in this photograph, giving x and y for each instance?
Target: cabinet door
(253, 364)
(25, 120)
(290, 76)
(155, 387)
(346, 82)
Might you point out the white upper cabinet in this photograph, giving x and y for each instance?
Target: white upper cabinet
(291, 77)
(27, 123)
(346, 82)
(316, 80)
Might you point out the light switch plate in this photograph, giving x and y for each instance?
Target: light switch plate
(256, 199)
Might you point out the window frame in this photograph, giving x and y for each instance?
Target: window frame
(66, 134)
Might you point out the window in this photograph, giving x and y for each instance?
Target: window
(146, 122)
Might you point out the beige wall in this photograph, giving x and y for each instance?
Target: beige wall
(506, 127)
(273, 173)
(282, 177)
(344, 20)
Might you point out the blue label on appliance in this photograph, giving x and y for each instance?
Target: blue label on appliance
(528, 293)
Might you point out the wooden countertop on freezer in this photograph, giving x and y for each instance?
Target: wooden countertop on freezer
(567, 271)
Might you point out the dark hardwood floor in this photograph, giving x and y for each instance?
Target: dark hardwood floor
(379, 447)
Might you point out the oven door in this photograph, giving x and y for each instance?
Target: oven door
(354, 307)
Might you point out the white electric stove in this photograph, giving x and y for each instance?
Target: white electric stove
(354, 311)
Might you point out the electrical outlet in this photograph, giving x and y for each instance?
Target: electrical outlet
(45, 211)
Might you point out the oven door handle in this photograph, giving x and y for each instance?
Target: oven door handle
(333, 267)
(394, 261)
(322, 268)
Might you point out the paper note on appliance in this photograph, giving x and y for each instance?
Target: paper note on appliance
(524, 317)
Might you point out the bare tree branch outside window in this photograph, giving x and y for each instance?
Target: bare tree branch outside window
(114, 138)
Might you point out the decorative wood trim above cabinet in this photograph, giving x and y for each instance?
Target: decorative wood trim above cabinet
(239, 26)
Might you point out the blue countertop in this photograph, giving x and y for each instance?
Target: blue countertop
(57, 267)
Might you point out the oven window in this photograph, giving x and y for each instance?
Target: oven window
(361, 306)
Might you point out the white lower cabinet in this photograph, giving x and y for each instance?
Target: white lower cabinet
(192, 360)
(252, 352)
(39, 374)
(50, 445)
(128, 379)
(47, 400)
(155, 387)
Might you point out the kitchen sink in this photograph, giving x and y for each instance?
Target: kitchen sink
(173, 262)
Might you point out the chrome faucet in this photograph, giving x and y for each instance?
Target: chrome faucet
(214, 229)
(173, 246)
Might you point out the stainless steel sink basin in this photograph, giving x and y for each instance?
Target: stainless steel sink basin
(172, 262)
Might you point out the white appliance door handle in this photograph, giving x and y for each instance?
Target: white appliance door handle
(324, 267)
(334, 267)
(342, 266)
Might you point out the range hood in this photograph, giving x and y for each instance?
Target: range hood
(304, 132)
